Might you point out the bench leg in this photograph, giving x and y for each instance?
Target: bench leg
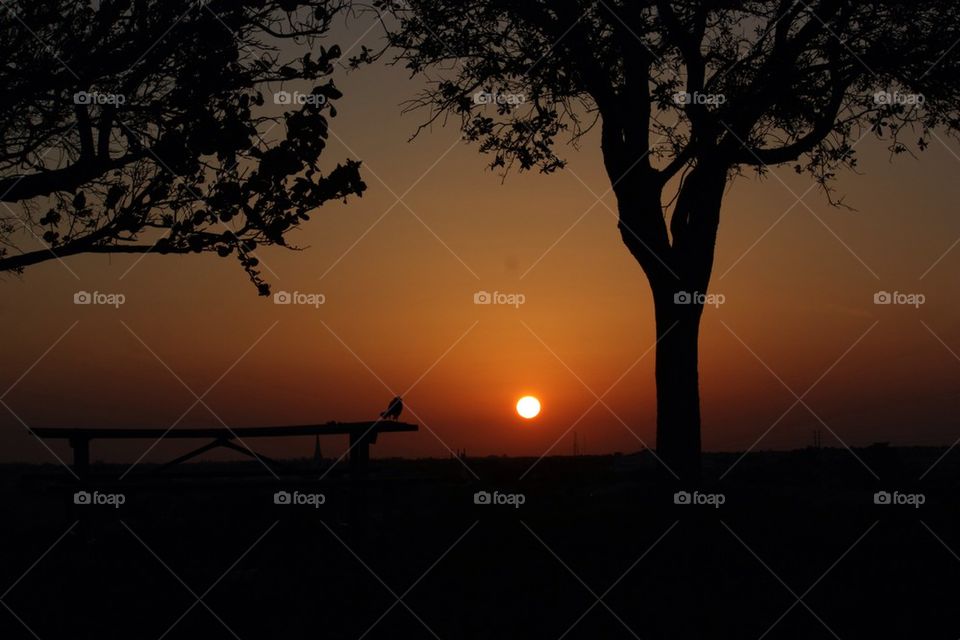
(359, 451)
(192, 454)
(249, 452)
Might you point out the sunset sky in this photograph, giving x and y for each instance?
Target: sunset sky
(399, 280)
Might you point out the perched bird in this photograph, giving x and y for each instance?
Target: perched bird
(393, 409)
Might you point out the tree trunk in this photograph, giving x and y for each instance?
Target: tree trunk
(678, 385)
(676, 266)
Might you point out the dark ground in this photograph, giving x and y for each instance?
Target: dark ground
(798, 550)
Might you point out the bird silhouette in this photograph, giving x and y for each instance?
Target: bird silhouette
(393, 409)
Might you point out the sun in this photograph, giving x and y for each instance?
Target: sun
(528, 407)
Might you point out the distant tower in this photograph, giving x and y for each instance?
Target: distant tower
(576, 445)
(317, 453)
(817, 439)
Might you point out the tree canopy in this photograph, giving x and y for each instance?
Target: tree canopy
(131, 126)
(765, 82)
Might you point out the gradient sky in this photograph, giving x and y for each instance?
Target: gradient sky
(399, 281)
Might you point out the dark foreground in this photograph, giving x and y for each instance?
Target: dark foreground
(597, 549)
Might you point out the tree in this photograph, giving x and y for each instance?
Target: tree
(126, 120)
(689, 94)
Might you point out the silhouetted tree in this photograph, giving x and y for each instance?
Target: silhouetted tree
(125, 120)
(688, 95)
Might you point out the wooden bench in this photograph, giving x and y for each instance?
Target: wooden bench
(362, 435)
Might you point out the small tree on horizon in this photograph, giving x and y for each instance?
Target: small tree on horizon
(688, 95)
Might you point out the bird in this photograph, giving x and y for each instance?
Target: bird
(393, 409)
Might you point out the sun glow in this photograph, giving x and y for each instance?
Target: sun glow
(528, 407)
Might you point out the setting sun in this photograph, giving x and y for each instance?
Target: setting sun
(528, 407)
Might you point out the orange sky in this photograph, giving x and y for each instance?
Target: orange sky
(399, 290)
